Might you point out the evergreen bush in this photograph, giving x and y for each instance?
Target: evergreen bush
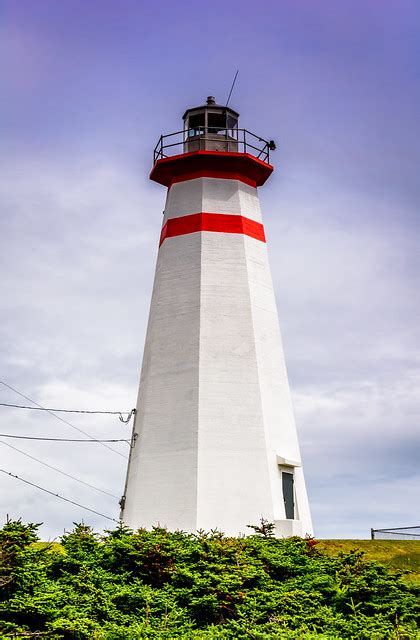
(126, 585)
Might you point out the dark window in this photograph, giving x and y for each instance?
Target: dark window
(288, 494)
(216, 122)
(196, 125)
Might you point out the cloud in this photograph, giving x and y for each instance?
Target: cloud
(80, 227)
(78, 244)
(81, 238)
(349, 313)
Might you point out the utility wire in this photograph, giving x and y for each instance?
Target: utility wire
(9, 435)
(111, 413)
(57, 495)
(85, 433)
(64, 473)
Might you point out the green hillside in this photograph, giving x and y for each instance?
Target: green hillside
(157, 584)
(399, 555)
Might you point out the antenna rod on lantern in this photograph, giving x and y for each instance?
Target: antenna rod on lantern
(233, 84)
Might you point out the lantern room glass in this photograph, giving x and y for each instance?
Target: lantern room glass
(211, 129)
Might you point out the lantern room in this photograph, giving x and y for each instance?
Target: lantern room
(209, 142)
(211, 127)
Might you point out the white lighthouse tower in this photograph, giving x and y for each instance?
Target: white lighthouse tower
(215, 442)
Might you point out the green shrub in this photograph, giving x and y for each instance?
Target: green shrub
(158, 584)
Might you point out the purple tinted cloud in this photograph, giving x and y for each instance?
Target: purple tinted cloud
(89, 88)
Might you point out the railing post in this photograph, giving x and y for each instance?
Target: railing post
(372, 534)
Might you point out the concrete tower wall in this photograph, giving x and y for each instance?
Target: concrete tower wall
(215, 422)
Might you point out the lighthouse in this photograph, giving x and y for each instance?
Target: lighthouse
(214, 439)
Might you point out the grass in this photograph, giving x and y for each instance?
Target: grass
(53, 546)
(401, 555)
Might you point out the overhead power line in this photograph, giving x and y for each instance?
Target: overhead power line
(57, 495)
(85, 433)
(9, 435)
(64, 473)
(111, 413)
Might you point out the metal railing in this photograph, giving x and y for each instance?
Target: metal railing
(394, 533)
(212, 139)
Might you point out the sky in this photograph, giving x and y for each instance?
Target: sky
(87, 89)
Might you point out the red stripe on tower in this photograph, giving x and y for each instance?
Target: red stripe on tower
(214, 222)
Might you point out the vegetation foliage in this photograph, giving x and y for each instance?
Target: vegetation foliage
(403, 555)
(157, 584)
